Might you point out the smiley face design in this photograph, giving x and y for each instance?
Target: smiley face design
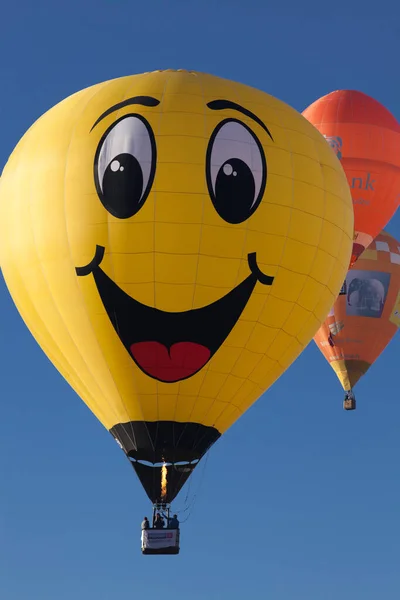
(173, 240)
(172, 346)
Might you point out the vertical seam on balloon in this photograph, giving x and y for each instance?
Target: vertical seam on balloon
(133, 438)
(279, 266)
(246, 232)
(205, 193)
(335, 261)
(154, 255)
(81, 294)
(110, 254)
(306, 276)
(39, 337)
(35, 331)
(206, 368)
(250, 334)
(69, 247)
(138, 396)
(155, 182)
(179, 383)
(229, 403)
(244, 348)
(341, 229)
(49, 289)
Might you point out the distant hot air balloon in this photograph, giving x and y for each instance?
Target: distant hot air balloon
(171, 251)
(365, 316)
(366, 138)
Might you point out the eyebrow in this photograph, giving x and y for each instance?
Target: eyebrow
(143, 100)
(223, 104)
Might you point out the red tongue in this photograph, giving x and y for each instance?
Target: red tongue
(183, 359)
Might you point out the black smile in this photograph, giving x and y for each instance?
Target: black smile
(202, 330)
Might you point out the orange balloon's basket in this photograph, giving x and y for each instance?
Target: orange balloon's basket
(349, 403)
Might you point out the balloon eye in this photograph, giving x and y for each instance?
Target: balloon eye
(125, 166)
(236, 171)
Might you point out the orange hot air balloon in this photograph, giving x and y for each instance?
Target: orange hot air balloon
(366, 138)
(365, 316)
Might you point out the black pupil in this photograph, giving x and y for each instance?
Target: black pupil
(234, 190)
(123, 185)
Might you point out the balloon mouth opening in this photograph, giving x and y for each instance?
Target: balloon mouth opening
(163, 481)
(164, 452)
(167, 463)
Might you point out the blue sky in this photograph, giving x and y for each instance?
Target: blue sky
(299, 500)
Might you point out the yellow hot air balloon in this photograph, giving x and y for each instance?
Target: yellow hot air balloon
(173, 241)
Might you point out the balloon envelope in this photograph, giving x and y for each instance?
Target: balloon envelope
(366, 138)
(173, 240)
(366, 315)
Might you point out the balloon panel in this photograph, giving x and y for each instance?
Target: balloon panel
(366, 315)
